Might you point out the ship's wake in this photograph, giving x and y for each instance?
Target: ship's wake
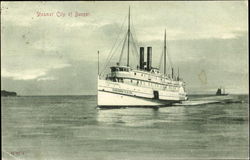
(209, 100)
(193, 101)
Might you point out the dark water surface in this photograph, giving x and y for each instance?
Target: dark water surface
(71, 128)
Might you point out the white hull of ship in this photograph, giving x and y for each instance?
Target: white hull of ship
(120, 95)
(109, 99)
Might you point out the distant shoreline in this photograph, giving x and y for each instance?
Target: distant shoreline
(5, 93)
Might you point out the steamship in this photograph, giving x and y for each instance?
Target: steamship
(221, 92)
(143, 86)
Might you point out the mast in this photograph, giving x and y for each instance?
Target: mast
(165, 49)
(128, 34)
(98, 62)
(172, 73)
(178, 77)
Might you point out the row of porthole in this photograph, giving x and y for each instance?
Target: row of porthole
(149, 79)
(121, 80)
(172, 88)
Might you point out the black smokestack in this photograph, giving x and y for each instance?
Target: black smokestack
(141, 57)
(149, 58)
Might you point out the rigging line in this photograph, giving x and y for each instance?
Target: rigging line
(135, 59)
(108, 61)
(132, 39)
(169, 64)
(135, 48)
(115, 41)
(135, 42)
(134, 31)
(111, 57)
(128, 34)
(169, 58)
(124, 42)
(118, 46)
(160, 62)
(170, 61)
(108, 57)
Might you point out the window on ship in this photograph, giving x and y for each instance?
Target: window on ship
(120, 80)
(113, 69)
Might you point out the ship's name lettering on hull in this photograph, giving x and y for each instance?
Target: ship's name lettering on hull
(121, 91)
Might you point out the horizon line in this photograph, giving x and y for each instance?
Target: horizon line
(96, 94)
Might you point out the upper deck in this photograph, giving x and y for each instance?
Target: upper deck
(153, 76)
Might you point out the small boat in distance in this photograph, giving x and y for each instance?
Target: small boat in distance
(221, 92)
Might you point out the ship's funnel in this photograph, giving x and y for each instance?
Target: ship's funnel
(141, 57)
(149, 58)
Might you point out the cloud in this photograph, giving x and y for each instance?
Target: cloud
(147, 34)
(30, 74)
(46, 79)
(45, 45)
(24, 75)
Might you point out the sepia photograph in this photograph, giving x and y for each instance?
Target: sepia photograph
(127, 80)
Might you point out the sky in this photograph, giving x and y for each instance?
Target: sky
(57, 55)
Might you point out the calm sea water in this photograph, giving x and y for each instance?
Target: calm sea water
(71, 128)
